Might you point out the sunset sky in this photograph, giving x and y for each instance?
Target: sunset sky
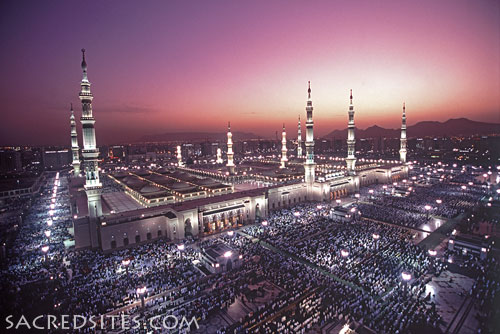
(170, 66)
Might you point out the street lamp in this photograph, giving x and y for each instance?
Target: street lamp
(344, 252)
(371, 193)
(125, 263)
(181, 247)
(338, 201)
(47, 234)
(141, 291)
(49, 222)
(45, 249)
(230, 233)
(228, 254)
(432, 252)
(427, 208)
(385, 188)
(438, 201)
(406, 277)
(264, 223)
(376, 237)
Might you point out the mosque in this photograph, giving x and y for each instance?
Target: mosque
(175, 203)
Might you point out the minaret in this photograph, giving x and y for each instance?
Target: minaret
(351, 141)
(74, 145)
(309, 164)
(230, 154)
(283, 148)
(90, 151)
(402, 150)
(299, 141)
(179, 156)
(219, 156)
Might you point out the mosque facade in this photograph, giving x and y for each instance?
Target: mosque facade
(180, 204)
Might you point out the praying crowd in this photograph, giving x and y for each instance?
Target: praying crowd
(323, 271)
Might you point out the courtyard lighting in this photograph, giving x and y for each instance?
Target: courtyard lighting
(141, 291)
(125, 263)
(406, 276)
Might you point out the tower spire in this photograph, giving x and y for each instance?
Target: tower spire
(309, 165)
(230, 154)
(402, 150)
(90, 151)
(351, 140)
(299, 140)
(284, 158)
(84, 66)
(74, 144)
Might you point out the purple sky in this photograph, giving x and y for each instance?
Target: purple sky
(162, 66)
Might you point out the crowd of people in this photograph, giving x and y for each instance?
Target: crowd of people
(325, 271)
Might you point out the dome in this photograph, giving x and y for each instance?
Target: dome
(148, 189)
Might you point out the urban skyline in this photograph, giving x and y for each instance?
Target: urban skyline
(158, 77)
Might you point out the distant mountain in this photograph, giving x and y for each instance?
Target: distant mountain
(452, 127)
(197, 136)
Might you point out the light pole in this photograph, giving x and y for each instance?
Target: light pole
(357, 197)
(47, 234)
(125, 263)
(180, 248)
(427, 209)
(371, 193)
(45, 249)
(344, 253)
(385, 188)
(376, 237)
(141, 291)
(406, 277)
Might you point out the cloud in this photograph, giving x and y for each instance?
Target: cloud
(128, 109)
